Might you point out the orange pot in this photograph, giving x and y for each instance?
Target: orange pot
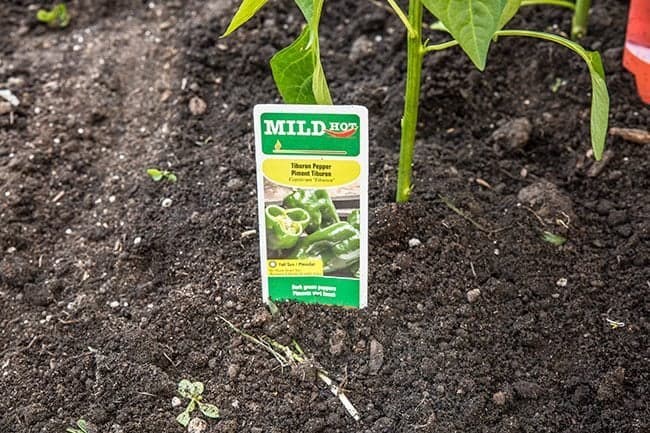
(636, 55)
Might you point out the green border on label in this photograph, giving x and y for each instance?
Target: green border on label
(311, 134)
(315, 290)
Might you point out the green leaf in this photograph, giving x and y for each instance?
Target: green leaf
(512, 6)
(599, 93)
(58, 16)
(198, 388)
(247, 9)
(185, 388)
(155, 174)
(293, 71)
(209, 410)
(471, 22)
(171, 177)
(297, 69)
(599, 104)
(183, 419)
(554, 239)
(81, 423)
(307, 9)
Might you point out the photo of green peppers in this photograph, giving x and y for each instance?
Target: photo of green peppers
(284, 226)
(308, 225)
(318, 205)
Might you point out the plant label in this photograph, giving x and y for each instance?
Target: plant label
(312, 187)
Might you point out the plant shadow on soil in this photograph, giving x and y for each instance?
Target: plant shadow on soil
(108, 299)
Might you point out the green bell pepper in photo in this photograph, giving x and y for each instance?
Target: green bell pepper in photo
(284, 226)
(354, 219)
(337, 245)
(318, 205)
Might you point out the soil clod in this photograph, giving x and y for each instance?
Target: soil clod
(512, 135)
(527, 390)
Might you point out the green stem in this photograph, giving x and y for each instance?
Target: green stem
(547, 37)
(400, 14)
(561, 3)
(414, 55)
(580, 19)
(440, 46)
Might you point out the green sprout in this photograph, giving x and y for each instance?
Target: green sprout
(559, 82)
(158, 175)
(193, 391)
(57, 17)
(554, 239)
(82, 427)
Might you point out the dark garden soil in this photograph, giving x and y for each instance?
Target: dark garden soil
(108, 299)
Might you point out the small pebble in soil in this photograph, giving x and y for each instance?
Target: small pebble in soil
(197, 425)
(376, 356)
(360, 48)
(562, 282)
(235, 184)
(233, 371)
(473, 295)
(414, 242)
(137, 240)
(197, 106)
(167, 202)
(499, 398)
(176, 402)
(114, 304)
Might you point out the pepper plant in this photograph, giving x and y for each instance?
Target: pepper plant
(472, 25)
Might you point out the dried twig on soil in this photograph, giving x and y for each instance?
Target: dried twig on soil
(630, 134)
(288, 356)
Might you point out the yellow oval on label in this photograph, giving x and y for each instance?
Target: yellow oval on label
(311, 173)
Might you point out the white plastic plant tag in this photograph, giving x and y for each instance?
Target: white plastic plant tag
(312, 187)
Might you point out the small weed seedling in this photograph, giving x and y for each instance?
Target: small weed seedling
(193, 391)
(554, 239)
(57, 17)
(295, 357)
(473, 25)
(82, 427)
(158, 175)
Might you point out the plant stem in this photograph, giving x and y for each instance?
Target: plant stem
(580, 19)
(414, 55)
(547, 37)
(562, 3)
(440, 46)
(400, 14)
